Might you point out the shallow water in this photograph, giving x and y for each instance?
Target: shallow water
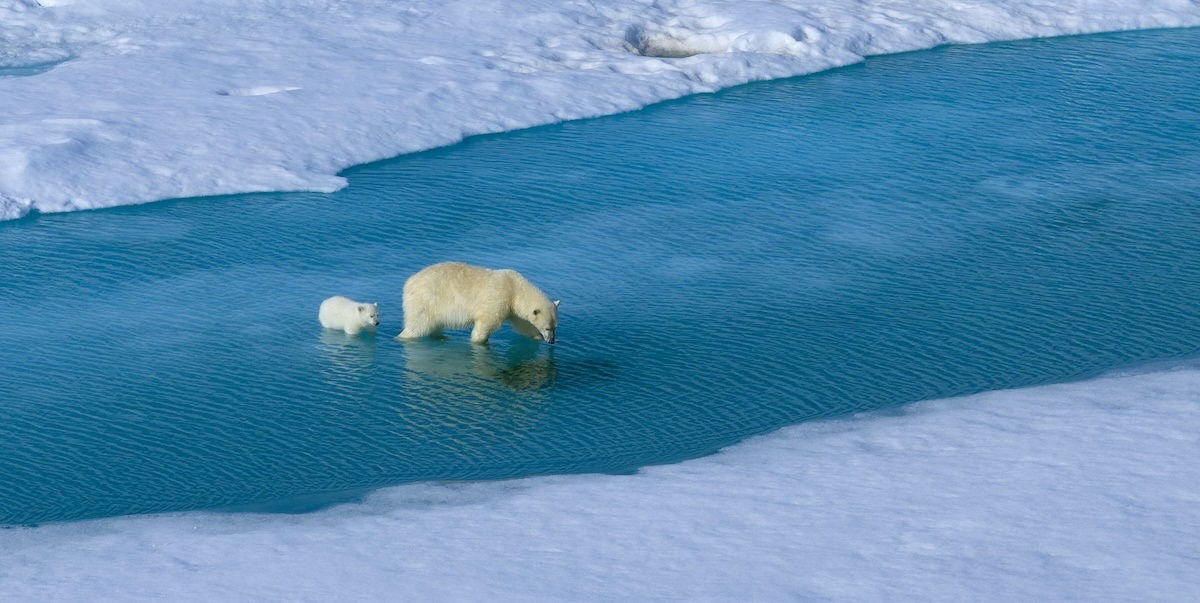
(920, 226)
(27, 70)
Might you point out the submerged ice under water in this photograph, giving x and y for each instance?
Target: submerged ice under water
(920, 226)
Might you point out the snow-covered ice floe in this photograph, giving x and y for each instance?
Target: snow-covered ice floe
(1083, 491)
(112, 102)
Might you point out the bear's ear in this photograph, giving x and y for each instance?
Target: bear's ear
(376, 304)
(556, 302)
(361, 308)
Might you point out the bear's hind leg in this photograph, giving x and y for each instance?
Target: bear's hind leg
(484, 329)
(416, 328)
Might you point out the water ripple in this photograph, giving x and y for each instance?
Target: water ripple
(922, 226)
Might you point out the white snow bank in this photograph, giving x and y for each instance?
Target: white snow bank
(1087, 491)
(153, 99)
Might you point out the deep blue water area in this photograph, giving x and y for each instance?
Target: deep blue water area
(919, 226)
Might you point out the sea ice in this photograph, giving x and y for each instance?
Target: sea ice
(138, 100)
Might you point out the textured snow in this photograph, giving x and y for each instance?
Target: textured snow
(1086, 491)
(112, 102)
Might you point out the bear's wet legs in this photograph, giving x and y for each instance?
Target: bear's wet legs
(483, 330)
(415, 328)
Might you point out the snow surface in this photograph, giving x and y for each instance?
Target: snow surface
(1086, 491)
(112, 102)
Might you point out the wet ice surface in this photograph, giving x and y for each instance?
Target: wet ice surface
(923, 226)
(182, 98)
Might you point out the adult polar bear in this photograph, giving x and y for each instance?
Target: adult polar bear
(452, 295)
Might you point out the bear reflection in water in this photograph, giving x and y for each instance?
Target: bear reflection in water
(455, 396)
(519, 366)
(466, 393)
(522, 366)
(347, 356)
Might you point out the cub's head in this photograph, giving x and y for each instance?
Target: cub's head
(368, 314)
(544, 316)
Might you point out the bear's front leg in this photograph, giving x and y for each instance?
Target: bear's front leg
(484, 329)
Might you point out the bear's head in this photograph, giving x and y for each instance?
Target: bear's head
(544, 316)
(368, 314)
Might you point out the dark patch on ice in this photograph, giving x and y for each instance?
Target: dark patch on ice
(659, 46)
(29, 69)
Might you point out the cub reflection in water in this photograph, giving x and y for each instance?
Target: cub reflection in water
(347, 354)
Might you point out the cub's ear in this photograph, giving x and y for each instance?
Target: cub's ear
(361, 308)
(376, 304)
(556, 302)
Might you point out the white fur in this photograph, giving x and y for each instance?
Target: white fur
(348, 315)
(451, 295)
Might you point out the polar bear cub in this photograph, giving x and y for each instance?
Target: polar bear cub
(455, 296)
(348, 315)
